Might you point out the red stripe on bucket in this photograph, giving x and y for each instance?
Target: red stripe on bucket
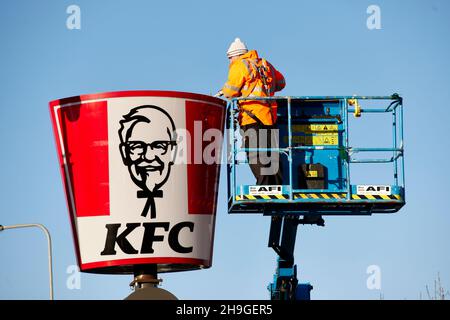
(134, 261)
(138, 93)
(203, 179)
(84, 130)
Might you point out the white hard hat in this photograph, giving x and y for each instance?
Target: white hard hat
(236, 48)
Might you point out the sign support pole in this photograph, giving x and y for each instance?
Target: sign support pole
(49, 246)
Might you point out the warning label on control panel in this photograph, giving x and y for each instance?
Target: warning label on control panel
(314, 128)
(374, 190)
(322, 139)
(312, 174)
(313, 134)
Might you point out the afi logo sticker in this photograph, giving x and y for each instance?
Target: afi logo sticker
(373, 190)
(148, 147)
(264, 190)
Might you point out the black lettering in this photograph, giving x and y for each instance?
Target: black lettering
(370, 188)
(174, 237)
(121, 240)
(150, 237)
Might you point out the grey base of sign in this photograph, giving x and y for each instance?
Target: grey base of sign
(146, 283)
(151, 293)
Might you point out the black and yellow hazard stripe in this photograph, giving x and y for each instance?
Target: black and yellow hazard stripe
(262, 197)
(344, 196)
(317, 196)
(376, 197)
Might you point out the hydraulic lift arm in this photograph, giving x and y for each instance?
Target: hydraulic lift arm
(285, 284)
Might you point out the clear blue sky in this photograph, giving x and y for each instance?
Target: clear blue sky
(322, 47)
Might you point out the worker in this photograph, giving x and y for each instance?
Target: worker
(252, 76)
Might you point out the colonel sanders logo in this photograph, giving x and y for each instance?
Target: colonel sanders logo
(148, 146)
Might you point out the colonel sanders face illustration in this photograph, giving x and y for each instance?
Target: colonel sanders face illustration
(148, 146)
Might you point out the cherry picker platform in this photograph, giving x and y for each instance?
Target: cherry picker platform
(316, 158)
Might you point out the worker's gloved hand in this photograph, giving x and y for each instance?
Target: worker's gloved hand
(219, 94)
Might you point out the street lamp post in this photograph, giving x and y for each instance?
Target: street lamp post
(49, 243)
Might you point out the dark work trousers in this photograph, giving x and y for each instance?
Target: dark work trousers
(265, 165)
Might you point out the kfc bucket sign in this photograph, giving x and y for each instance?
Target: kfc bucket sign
(140, 171)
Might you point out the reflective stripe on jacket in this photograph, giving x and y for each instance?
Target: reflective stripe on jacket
(251, 76)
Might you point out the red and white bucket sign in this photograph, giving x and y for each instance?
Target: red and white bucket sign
(140, 184)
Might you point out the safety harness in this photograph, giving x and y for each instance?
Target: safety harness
(262, 72)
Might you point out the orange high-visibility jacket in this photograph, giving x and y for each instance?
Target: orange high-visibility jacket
(245, 80)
